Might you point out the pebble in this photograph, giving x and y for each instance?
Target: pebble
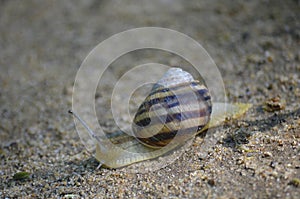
(267, 154)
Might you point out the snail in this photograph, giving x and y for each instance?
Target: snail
(177, 109)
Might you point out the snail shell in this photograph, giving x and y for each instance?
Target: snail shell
(177, 108)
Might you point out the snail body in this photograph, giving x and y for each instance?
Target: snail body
(176, 110)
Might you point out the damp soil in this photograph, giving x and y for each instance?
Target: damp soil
(255, 45)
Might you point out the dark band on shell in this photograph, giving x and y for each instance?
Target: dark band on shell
(180, 110)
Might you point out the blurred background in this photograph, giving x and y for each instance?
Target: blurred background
(255, 44)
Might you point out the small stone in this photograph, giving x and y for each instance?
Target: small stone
(269, 56)
(267, 154)
(273, 164)
(211, 182)
(256, 59)
(295, 182)
(240, 161)
(21, 175)
(274, 104)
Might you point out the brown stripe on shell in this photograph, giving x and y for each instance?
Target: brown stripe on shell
(172, 100)
(164, 138)
(174, 117)
(169, 105)
(169, 110)
(158, 96)
(153, 129)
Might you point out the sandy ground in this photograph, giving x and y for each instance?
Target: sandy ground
(255, 45)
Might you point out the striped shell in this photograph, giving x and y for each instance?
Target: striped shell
(177, 107)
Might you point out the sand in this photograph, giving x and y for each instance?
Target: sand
(255, 45)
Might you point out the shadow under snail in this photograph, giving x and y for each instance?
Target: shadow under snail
(176, 110)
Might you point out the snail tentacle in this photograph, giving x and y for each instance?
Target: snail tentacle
(90, 131)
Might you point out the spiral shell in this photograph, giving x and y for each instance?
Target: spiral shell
(177, 106)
